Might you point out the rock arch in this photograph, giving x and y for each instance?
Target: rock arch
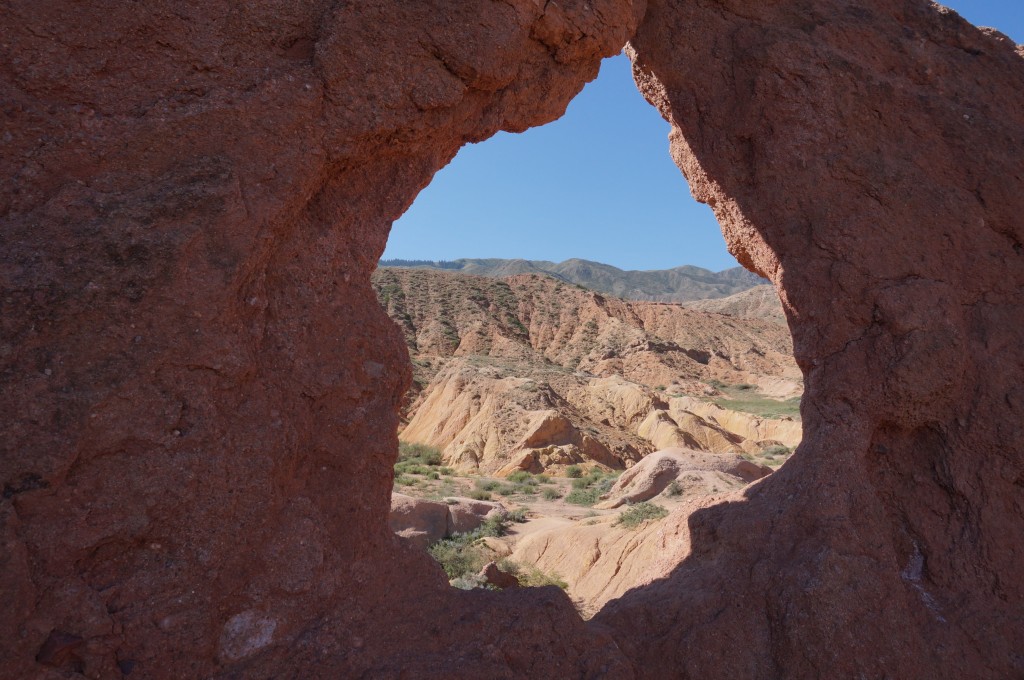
(199, 389)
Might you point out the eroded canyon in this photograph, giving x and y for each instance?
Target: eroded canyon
(201, 394)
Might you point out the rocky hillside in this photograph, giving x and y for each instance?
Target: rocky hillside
(679, 284)
(533, 373)
(759, 302)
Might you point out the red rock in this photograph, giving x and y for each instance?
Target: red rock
(200, 392)
(868, 158)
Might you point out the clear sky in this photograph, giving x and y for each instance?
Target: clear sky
(597, 184)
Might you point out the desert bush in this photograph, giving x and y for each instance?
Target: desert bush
(519, 476)
(486, 485)
(635, 515)
(495, 525)
(777, 450)
(462, 556)
(583, 497)
(518, 515)
(433, 475)
(582, 482)
(404, 480)
(550, 494)
(531, 576)
(674, 488)
(574, 472)
(419, 453)
(478, 495)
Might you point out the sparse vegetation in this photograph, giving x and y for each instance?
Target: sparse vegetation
(743, 398)
(550, 494)
(583, 497)
(531, 576)
(635, 515)
(478, 495)
(574, 472)
(462, 555)
(674, 488)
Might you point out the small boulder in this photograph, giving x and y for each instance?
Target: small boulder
(494, 576)
(466, 514)
(420, 521)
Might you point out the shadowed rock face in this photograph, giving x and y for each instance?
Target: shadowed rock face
(199, 390)
(867, 158)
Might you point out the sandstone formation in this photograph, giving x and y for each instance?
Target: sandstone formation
(200, 393)
(423, 522)
(687, 469)
(868, 158)
(199, 390)
(528, 373)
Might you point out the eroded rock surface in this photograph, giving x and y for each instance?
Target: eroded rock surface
(867, 158)
(199, 391)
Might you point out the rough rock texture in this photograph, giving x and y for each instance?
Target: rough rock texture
(423, 522)
(199, 391)
(869, 159)
(652, 476)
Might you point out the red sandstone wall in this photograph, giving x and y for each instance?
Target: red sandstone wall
(198, 390)
(869, 159)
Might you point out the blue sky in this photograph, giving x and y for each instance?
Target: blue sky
(597, 184)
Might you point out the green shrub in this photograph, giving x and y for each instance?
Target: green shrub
(550, 494)
(674, 489)
(446, 471)
(519, 476)
(403, 480)
(419, 453)
(574, 472)
(486, 485)
(582, 482)
(583, 497)
(506, 489)
(433, 475)
(480, 495)
(518, 515)
(776, 450)
(496, 525)
(531, 577)
(635, 515)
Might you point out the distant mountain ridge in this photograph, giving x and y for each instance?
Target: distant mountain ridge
(680, 284)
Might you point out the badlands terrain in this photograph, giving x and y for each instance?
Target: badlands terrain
(532, 396)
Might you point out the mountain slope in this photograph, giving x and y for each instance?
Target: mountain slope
(533, 373)
(680, 284)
